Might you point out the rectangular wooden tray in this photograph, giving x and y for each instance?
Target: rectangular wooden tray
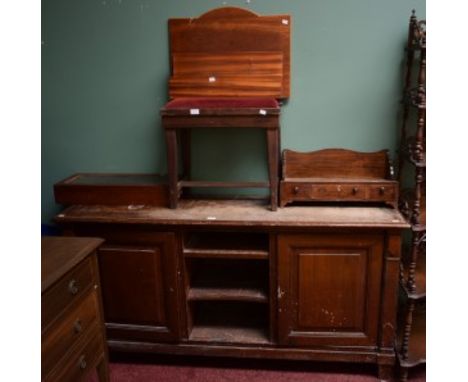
(337, 175)
(112, 189)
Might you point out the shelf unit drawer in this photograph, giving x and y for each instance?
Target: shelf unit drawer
(294, 191)
(77, 324)
(68, 290)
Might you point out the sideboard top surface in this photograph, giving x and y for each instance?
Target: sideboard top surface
(238, 213)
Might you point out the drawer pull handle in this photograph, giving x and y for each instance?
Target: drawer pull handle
(355, 190)
(73, 287)
(382, 190)
(77, 327)
(296, 190)
(82, 362)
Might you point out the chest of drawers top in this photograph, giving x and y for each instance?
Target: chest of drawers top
(60, 254)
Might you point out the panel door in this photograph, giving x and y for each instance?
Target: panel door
(329, 289)
(138, 271)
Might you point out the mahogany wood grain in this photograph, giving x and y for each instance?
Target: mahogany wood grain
(329, 289)
(231, 40)
(412, 203)
(150, 271)
(338, 190)
(112, 189)
(78, 324)
(197, 64)
(61, 255)
(73, 336)
(419, 279)
(69, 289)
(172, 166)
(335, 163)
(227, 52)
(174, 123)
(343, 260)
(77, 364)
(337, 175)
(346, 354)
(215, 214)
(207, 119)
(417, 341)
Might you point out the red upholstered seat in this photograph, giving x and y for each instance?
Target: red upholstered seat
(221, 103)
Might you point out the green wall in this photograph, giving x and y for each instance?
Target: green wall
(105, 68)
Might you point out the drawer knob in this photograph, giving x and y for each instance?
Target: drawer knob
(77, 327)
(296, 189)
(82, 362)
(382, 190)
(355, 190)
(73, 287)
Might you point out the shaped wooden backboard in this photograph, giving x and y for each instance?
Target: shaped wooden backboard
(335, 163)
(230, 52)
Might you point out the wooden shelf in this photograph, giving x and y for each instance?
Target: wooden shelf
(229, 334)
(209, 184)
(417, 342)
(226, 254)
(227, 294)
(227, 245)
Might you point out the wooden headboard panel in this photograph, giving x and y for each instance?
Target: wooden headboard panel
(230, 52)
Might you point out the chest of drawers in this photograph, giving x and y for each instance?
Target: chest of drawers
(72, 331)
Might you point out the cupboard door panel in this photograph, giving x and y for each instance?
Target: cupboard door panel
(329, 289)
(139, 289)
(340, 293)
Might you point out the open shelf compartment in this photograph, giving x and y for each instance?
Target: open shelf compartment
(229, 322)
(227, 280)
(226, 245)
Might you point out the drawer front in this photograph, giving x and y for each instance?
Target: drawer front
(77, 324)
(376, 192)
(80, 361)
(385, 192)
(319, 192)
(69, 289)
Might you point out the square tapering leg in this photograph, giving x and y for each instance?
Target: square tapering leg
(273, 160)
(172, 166)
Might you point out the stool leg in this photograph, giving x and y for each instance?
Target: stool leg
(172, 166)
(186, 152)
(273, 159)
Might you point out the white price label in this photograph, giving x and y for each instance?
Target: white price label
(194, 111)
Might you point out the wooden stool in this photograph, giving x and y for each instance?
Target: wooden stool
(183, 114)
(229, 68)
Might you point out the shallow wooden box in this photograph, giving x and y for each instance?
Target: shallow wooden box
(337, 175)
(112, 189)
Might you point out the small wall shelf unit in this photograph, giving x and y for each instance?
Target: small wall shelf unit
(411, 342)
